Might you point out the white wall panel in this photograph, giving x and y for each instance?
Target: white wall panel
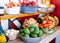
(4, 24)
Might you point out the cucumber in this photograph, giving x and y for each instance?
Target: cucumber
(26, 35)
(40, 33)
(22, 34)
(36, 31)
(34, 35)
(21, 30)
(31, 30)
(26, 31)
(48, 31)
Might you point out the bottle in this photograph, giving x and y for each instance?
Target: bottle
(1, 11)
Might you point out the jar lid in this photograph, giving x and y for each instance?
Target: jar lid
(1, 7)
(1, 10)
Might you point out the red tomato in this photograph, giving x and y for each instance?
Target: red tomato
(47, 21)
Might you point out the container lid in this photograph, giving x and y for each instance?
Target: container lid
(1, 7)
(1, 10)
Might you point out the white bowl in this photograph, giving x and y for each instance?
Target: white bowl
(13, 10)
(31, 40)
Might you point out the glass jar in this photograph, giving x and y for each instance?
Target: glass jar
(1, 11)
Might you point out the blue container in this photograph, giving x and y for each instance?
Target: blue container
(43, 9)
(29, 9)
(51, 9)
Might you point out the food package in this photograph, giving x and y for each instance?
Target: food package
(9, 24)
(29, 21)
